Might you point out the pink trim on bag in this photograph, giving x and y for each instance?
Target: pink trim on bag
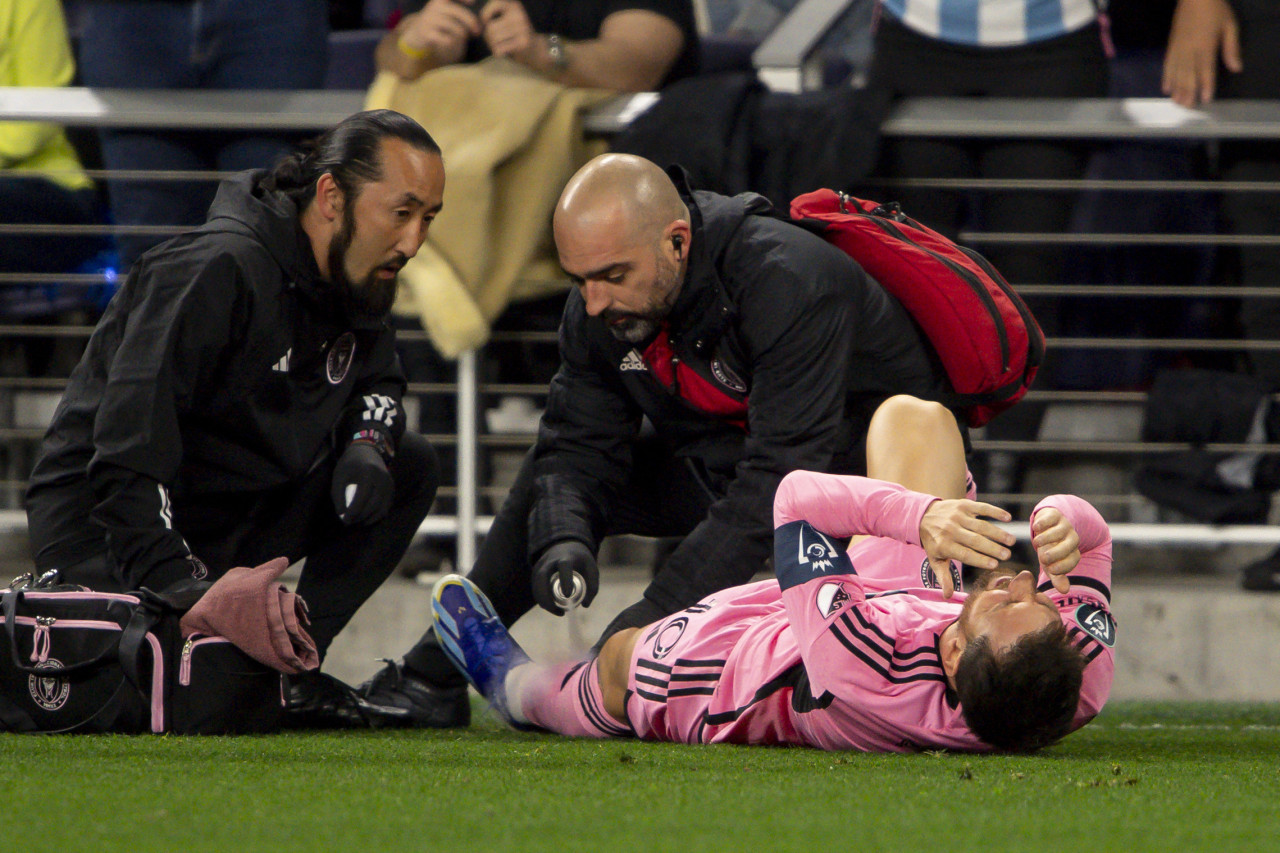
(188, 652)
(157, 684)
(81, 596)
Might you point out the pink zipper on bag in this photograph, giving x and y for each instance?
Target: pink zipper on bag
(184, 668)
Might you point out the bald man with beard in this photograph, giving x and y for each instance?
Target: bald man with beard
(751, 346)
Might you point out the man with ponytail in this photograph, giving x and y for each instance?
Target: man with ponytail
(241, 398)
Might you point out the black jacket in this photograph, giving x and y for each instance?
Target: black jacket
(770, 314)
(222, 367)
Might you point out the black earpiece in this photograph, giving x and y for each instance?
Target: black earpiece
(677, 243)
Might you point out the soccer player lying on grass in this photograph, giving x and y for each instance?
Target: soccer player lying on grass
(848, 649)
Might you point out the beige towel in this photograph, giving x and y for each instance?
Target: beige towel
(511, 141)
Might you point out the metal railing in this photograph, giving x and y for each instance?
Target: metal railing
(1103, 119)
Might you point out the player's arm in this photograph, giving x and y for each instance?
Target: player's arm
(1073, 544)
(844, 506)
(179, 323)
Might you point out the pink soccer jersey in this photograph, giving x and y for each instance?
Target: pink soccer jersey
(825, 658)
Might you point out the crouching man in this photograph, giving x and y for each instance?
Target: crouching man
(240, 399)
(849, 648)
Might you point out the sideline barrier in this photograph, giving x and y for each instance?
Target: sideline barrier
(1124, 119)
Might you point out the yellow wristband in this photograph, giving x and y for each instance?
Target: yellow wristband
(411, 51)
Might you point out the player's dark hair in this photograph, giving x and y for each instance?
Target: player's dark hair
(1025, 698)
(351, 151)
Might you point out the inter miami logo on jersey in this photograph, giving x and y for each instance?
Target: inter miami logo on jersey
(669, 636)
(46, 691)
(830, 597)
(1097, 623)
(341, 354)
(929, 578)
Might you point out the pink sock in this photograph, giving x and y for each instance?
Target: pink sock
(566, 699)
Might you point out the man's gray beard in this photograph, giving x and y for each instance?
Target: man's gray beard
(634, 330)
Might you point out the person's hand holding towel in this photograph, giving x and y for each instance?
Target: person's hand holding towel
(260, 616)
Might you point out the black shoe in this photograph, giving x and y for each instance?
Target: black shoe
(398, 697)
(1264, 575)
(319, 701)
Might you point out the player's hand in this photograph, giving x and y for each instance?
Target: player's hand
(1201, 30)
(362, 489)
(1057, 546)
(509, 32)
(442, 29)
(958, 530)
(560, 562)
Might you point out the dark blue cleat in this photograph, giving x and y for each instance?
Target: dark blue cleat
(475, 640)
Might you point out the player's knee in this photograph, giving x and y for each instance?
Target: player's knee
(921, 422)
(615, 664)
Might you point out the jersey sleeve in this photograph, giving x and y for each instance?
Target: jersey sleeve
(849, 648)
(1093, 574)
(1086, 609)
(845, 505)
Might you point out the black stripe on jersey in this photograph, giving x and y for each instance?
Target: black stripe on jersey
(600, 718)
(879, 668)
(686, 662)
(1082, 639)
(698, 608)
(923, 650)
(897, 661)
(869, 626)
(871, 595)
(695, 676)
(652, 697)
(788, 678)
(691, 691)
(649, 679)
(648, 664)
(1096, 585)
(1097, 650)
(570, 673)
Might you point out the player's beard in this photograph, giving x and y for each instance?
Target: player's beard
(370, 299)
(637, 327)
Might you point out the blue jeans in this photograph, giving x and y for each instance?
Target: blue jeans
(195, 44)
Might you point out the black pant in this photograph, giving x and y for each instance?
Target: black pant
(910, 65)
(344, 566)
(666, 496)
(1256, 213)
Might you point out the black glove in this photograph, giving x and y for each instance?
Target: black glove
(362, 485)
(562, 560)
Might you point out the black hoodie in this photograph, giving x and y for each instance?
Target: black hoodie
(768, 314)
(223, 366)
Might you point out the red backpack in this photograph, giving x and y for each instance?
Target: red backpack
(986, 337)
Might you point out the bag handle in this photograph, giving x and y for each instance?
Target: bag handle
(11, 600)
(130, 646)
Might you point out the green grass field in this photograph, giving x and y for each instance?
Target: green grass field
(1142, 777)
